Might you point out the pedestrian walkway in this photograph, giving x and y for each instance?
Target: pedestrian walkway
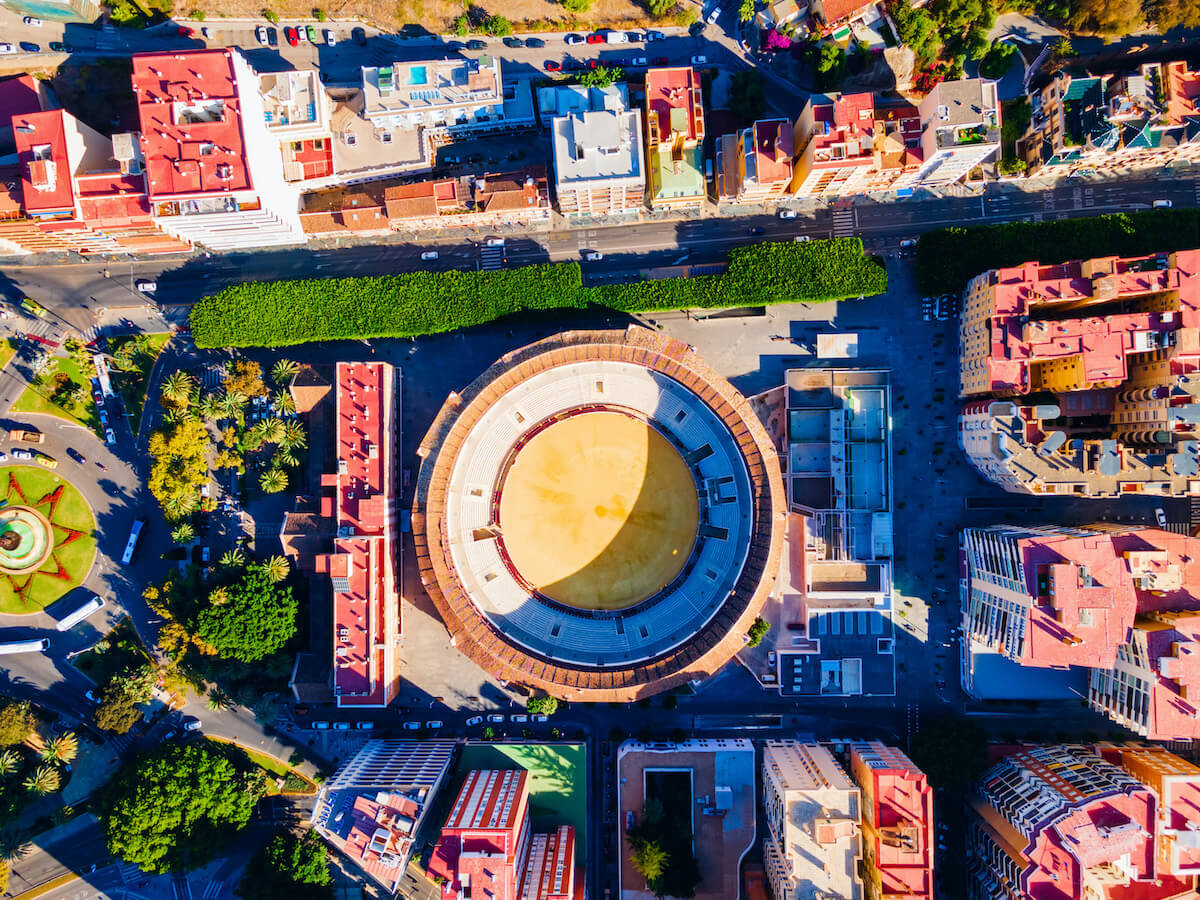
(130, 874)
(491, 258)
(212, 890)
(845, 222)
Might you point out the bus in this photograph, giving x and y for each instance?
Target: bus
(134, 532)
(80, 614)
(38, 645)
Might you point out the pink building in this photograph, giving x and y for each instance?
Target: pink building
(362, 566)
(835, 146)
(487, 851)
(1064, 822)
(897, 823)
(754, 165)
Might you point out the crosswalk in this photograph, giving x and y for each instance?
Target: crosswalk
(1196, 185)
(845, 221)
(1195, 515)
(130, 874)
(491, 258)
(182, 888)
(212, 890)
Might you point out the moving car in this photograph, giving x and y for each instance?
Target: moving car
(32, 21)
(714, 15)
(110, 436)
(572, 39)
(191, 723)
(754, 230)
(907, 243)
(261, 34)
(429, 254)
(76, 455)
(593, 256)
(292, 35)
(787, 214)
(474, 720)
(1162, 204)
(147, 287)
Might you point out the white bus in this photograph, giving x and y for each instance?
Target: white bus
(38, 645)
(80, 614)
(134, 532)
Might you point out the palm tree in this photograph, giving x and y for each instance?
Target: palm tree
(272, 430)
(232, 404)
(177, 506)
(44, 781)
(294, 436)
(284, 371)
(177, 387)
(14, 844)
(273, 481)
(286, 457)
(210, 407)
(183, 534)
(61, 748)
(284, 403)
(275, 568)
(218, 699)
(218, 596)
(233, 559)
(10, 761)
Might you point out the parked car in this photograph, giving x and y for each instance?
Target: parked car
(434, 725)
(635, 37)
(714, 15)
(359, 36)
(474, 720)
(553, 65)
(7, 48)
(1162, 204)
(787, 214)
(495, 242)
(272, 37)
(802, 239)
(514, 42)
(191, 723)
(534, 42)
(33, 21)
(476, 45)
(311, 33)
(455, 46)
(60, 47)
(260, 33)
(540, 717)
(341, 726)
(21, 453)
(291, 35)
(320, 726)
(364, 726)
(654, 35)
(330, 38)
(147, 287)
(616, 37)
(662, 60)
(699, 60)
(1160, 517)
(572, 39)
(31, 47)
(520, 717)
(640, 62)
(429, 254)
(597, 39)
(412, 726)
(593, 256)
(43, 460)
(110, 436)
(496, 718)
(184, 31)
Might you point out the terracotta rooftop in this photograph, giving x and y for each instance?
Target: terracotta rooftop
(673, 95)
(46, 179)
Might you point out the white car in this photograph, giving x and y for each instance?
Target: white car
(699, 60)
(714, 15)
(474, 720)
(330, 40)
(616, 37)
(32, 21)
(3, 456)
(341, 726)
(1160, 517)
(429, 254)
(520, 717)
(22, 454)
(7, 48)
(593, 256)
(495, 242)
(495, 718)
(572, 39)
(192, 724)
(1162, 204)
(541, 718)
(412, 726)
(787, 214)
(110, 436)
(802, 239)
(147, 287)
(320, 726)
(260, 34)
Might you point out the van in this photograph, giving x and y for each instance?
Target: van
(616, 37)
(1162, 204)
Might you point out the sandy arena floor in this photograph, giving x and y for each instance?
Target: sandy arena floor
(599, 511)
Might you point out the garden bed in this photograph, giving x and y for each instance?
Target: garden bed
(51, 395)
(130, 383)
(123, 648)
(244, 757)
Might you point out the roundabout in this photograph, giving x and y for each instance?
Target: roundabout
(47, 539)
(599, 516)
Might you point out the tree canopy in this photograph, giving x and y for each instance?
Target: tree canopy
(541, 706)
(177, 807)
(256, 618)
(245, 378)
(118, 710)
(747, 98)
(288, 868)
(180, 467)
(16, 722)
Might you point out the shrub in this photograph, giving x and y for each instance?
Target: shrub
(497, 26)
(197, 14)
(462, 26)
(758, 631)
(950, 257)
(576, 6)
(319, 14)
(271, 16)
(280, 313)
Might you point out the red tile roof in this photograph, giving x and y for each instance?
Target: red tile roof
(836, 10)
(675, 88)
(45, 167)
(19, 96)
(902, 812)
(845, 130)
(191, 126)
(773, 150)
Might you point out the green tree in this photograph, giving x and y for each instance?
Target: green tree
(16, 722)
(271, 430)
(830, 65)
(660, 8)
(758, 630)
(246, 378)
(649, 858)
(118, 711)
(576, 6)
(997, 60)
(319, 14)
(180, 466)
(232, 404)
(284, 371)
(746, 10)
(10, 762)
(273, 481)
(541, 706)
(462, 26)
(44, 780)
(183, 534)
(258, 619)
(177, 388)
(294, 436)
(219, 700)
(233, 559)
(602, 76)
(275, 568)
(288, 868)
(747, 97)
(209, 407)
(497, 26)
(177, 807)
(284, 403)
(1107, 16)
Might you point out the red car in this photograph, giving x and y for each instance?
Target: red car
(597, 39)
(662, 61)
(290, 34)
(553, 66)
(184, 31)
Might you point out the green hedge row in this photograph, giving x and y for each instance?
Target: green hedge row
(279, 313)
(950, 257)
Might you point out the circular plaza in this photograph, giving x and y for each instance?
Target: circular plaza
(599, 516)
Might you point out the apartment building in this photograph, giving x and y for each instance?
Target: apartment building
(1103, 123)
(813, 846)
(754, 165)
(960, 129)
(897, 817)
(897, 146)
(214, 174)
(375, 803)
(297, 112)
(487, 847)
(1118, 607)
(362, 566)
(1063, 822)
(835, 146)
(599, 163)
(675, 138)
(1105, 350)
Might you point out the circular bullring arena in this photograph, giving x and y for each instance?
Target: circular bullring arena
(599, 515)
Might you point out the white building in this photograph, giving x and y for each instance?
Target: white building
(960, 129)
(599, 163)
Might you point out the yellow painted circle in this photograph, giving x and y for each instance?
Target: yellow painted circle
(599, 511)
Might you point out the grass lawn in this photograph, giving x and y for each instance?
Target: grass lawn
(131, 385)
(8, 349)
(36, 397)
(76, 558)
(121, 647)
(272, 765)
(557, 785)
